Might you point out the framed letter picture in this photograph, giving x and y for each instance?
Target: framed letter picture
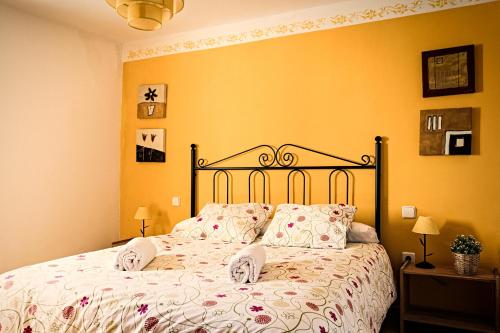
(448, 71)
(150, 145)
(152, 101)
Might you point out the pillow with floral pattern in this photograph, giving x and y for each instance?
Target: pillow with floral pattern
(259, 213)
(314, 226)
(232, 223)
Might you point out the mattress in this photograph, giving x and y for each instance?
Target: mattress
(186, 289)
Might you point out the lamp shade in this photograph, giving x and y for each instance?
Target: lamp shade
(146, 14)
(143, 213)
(175, 6)
(425, 225)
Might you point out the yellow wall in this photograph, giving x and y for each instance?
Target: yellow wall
(332, 90)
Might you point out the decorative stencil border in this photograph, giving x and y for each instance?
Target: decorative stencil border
(297, 22)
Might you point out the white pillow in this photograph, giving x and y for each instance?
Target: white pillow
(362, 233)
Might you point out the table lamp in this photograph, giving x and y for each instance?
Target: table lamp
(143, 213)
(425, 226)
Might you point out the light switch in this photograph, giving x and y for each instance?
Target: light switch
(176, 201)
(409, 212)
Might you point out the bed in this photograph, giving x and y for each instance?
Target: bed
(186, 289)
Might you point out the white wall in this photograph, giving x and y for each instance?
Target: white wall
(60, 95)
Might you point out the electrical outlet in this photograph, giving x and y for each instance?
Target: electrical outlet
(408, 254)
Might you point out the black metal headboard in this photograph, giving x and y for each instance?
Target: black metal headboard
(279, 159)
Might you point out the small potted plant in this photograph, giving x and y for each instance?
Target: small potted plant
(466, 250)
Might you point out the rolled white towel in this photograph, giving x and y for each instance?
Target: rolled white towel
(245, 265)
(135, 255)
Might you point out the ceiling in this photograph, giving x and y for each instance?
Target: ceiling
(96, 16)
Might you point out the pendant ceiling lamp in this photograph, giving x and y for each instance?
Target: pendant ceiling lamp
(146, 14)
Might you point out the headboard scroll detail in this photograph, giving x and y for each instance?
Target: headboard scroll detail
(279, 157)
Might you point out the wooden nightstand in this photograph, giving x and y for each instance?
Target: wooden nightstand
(121, 242)
(441, 297)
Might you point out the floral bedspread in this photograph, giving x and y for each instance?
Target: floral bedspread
(186, 289)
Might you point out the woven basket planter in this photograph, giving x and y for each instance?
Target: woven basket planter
(466, 264)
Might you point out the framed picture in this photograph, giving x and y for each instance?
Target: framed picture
(448, 71)
(446, 132)
(152, 101)
(150, 145)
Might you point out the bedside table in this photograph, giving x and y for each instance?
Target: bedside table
(121, 242)
(441, 297)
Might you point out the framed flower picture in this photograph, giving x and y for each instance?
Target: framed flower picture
(152, 101)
